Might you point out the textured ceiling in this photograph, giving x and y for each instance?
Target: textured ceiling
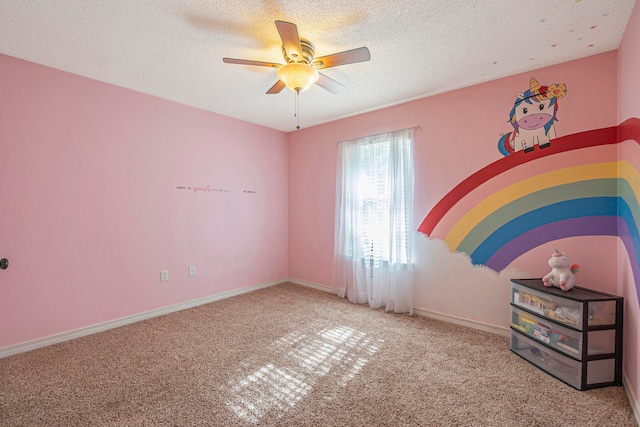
(173, 49)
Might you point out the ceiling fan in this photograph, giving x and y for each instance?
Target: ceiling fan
(300, 70)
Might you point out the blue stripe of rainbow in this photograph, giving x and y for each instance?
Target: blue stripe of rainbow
(589, 207)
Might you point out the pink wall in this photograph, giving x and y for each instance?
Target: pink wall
(629, 107)
(91, 210)
(458, 135)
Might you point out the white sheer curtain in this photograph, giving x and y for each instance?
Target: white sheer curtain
(373, 226)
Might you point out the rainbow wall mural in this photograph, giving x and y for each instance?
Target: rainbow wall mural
(575, 187)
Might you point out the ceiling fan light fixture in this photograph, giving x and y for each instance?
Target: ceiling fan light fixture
(298, 76)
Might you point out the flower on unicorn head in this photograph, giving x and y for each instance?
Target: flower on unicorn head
(556, 91)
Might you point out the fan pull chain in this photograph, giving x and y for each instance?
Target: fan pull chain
(297, 113)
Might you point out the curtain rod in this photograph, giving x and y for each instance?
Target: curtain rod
(381, 133)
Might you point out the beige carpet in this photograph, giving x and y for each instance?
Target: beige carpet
(289, 355)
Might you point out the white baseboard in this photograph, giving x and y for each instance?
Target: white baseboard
(635, 406)
(425, 313)
(88, 330)
(310, 285)
(462, 321)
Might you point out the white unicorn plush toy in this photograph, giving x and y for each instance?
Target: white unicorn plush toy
(562, 274)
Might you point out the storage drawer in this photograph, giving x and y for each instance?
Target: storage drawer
(561, 367)
(575, 336)
(602, 342)
(601, 371)
(562, 310)
(602, 313)
(560, 338)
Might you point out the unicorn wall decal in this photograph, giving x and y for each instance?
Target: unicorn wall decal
(532, 117)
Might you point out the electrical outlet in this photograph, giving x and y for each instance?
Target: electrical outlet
(164, 275)
(192, 270)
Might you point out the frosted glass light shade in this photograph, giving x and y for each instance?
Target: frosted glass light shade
(298, 77)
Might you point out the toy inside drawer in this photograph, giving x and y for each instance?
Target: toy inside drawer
(562, 310)
(565, 340)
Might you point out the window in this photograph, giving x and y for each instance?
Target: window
(374, 206)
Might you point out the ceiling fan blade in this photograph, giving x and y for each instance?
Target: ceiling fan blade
(276, 88)
(249, 62)
(290, 39)
(360, 54)
(329, 84)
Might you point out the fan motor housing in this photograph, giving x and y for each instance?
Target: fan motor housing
(308, 50)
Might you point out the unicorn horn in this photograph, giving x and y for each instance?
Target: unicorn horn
(534, 87)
